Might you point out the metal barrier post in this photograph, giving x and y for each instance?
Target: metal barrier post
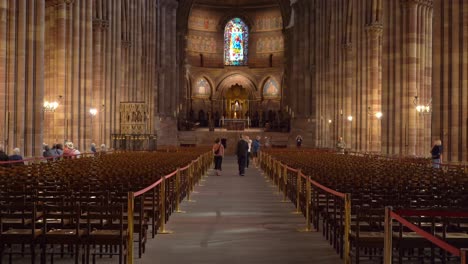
(267, 168)
(162, 198)
(298, 192)
(273, 172)
(190, 182)
(307, 205)
(260, 154)
(278, 169)
(285, 189)
(388, 236)
(464, 256)
(178, 185)
(131, 199)
(347, 228)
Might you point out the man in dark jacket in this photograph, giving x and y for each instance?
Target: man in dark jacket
(241, 152)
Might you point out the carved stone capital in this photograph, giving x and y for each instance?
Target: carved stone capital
(374, 30)
(105, 24)
(51, 3)
(407, 4)
(126, 43)
(347, 47)
(97, 24)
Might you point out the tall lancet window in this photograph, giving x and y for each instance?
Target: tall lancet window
(236, 42)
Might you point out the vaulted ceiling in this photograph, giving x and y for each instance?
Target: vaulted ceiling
(186, 5)
(236, 3)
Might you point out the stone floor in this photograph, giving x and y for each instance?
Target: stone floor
(237, 220)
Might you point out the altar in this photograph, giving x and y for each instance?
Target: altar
(235, 124)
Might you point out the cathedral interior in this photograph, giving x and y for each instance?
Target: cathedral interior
(349, 114)
(387, 76)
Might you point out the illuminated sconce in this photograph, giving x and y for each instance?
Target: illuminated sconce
(378, 114)
(422, 108)
(50, 106)
(93, 111)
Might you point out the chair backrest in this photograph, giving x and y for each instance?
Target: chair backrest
(18, 216)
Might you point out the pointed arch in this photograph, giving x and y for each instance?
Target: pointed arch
(202, 88)
(236, 42)
(271, 89)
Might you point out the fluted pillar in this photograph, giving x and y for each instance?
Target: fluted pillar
(410, 80)
(3, 66)
(374, 34)
(450, 79)
(348, 135)
(167, 83)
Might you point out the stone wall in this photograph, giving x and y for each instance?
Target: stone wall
(205, 38)
(450, 78)
(83, 54)
(355, 59)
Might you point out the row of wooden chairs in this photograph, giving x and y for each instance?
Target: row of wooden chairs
(75, 203)
(373, 183)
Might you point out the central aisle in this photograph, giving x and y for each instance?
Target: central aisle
(237, 219)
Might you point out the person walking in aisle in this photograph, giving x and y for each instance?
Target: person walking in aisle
(218, 153)
(249, 142)
(255, 149)
(241, 152)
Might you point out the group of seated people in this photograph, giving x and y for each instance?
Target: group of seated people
(16, 156)
(57, 150)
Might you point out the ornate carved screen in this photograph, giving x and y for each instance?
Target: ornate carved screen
(133, 118)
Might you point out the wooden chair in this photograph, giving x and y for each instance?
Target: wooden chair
(108, 233)
(18, 227)
(66, 231)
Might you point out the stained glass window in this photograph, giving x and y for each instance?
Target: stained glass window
(236, 40)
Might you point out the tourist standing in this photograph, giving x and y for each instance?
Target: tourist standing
(340, 146)
(436, 153)
(298, 141)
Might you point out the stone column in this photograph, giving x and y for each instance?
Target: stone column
(96, 101)
(3, 66)
(165, 122)
(348, 136)
(411, 64)
(374, 34)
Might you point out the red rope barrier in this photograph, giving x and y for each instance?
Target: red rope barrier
(303, 175)
(84, 154)
(435, 240)
(291, 169)
(142, 191)
(342, 195)
(171, 174)
(185, 168)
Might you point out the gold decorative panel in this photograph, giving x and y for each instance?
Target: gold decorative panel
(133, 118)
